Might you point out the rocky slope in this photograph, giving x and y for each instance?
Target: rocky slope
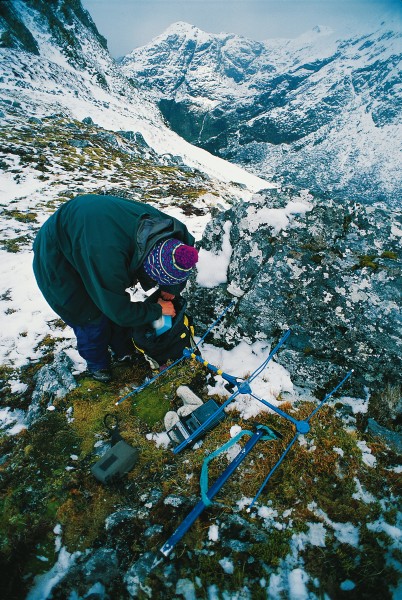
(317, 112)
(331, 272)
(72, 123)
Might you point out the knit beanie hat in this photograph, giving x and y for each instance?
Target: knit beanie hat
(170, 262)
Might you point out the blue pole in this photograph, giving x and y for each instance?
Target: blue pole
(276, 409)
(272, 471)
(215, 487)
(215, 322)
(271, 354)
(242, 388)
(301, 427)
(189, 353)
(149, 381)
(330, 394)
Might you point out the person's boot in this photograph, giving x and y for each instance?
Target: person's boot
(102, 375)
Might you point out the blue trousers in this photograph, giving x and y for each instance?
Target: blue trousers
(95, 338)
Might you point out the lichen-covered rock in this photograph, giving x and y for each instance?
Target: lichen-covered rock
(136, 577)
(101, 566)
(52, 381)
(393, 439)
(331, 273)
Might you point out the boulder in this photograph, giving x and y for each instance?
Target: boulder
(52, 381)
(330, 272)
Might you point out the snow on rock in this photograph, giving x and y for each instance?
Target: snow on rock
(358, 405)
(241, 362)
(316, 534)
(186, 588)
(12, 421)
(367, 456)
(362, 494)
(335, 264)
(210, 277)
(213, 533)
(43, 584)
(297, 584)
(162, 440)
(277, 218)
(227, 565)
(346, 533)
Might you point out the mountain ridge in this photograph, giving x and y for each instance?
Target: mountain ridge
(289, 107)
(76, 75)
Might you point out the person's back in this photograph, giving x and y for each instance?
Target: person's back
(94, 248)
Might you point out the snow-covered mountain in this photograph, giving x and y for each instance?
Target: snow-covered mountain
(71, 122)
(54, 60)
(317, 111)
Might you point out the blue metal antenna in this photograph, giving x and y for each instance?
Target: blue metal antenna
(243, 387)
(301, 427)
(213, 490)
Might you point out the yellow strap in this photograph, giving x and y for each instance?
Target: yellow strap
(139, 349)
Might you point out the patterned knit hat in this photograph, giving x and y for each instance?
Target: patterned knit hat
(170, 262)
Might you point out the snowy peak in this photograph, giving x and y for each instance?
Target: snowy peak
(314, 100)
(181, 28)
(322, 30)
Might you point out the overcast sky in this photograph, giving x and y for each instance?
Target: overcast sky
(127, 24)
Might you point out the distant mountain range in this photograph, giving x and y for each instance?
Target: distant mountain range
(317, 112)
(54, 60)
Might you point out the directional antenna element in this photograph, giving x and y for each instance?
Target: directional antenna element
(240, 386)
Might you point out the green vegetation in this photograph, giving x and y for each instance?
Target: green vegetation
(374, 261)
(46, 480)
(389, 254)
(104, 161)
(16, 244)
(23, 217)
(45, 477)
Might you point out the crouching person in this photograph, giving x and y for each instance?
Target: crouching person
(90, 251)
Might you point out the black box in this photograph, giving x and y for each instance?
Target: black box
(115, 463)
(190, 423)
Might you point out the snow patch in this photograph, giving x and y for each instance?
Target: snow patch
(213, 533)
(367, 457)
(44, 584)
(277, 218)
(241, 361)
(12, 420)
(162, 440)
(212, 268)
(227, 565)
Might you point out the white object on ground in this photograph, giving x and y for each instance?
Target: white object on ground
(188, 397)
(170, 419)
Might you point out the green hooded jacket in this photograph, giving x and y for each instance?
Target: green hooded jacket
(91, 250)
